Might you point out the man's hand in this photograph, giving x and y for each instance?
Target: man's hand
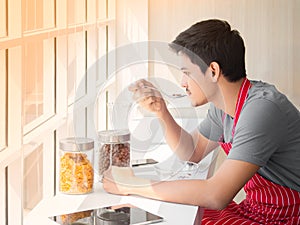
(148, 96)
(117, 180)
(122, 181)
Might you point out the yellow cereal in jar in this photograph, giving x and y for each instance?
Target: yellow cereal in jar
(76, 165)
(73, 217)
(76, 174)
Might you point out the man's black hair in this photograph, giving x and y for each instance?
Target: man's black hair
(213, 41)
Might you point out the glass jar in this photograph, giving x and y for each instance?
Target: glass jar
(114, 149)
(108, 216)
(76, 165)
(79, 218)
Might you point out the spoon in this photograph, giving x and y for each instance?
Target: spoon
(174, 95)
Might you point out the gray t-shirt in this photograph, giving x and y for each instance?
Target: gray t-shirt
(267, 134)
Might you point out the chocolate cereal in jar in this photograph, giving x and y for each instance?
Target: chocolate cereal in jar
(114, 149)
(76, 165)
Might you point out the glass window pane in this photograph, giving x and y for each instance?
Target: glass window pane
(38, 14)
(102, 52)
(38, 171)
(33, 88)
(38, 81)
(33, 178)
(101, 13)
(76, 12)
(3, 31)
(3, 99)
(76, 66)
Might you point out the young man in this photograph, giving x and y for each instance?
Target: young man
(257, 126)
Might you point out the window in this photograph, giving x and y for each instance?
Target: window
(47, 47)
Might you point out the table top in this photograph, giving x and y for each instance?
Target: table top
(64, 204)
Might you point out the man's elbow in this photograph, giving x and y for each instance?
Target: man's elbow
(219, 205)
(217, 202)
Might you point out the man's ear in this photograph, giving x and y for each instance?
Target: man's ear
(215, 71)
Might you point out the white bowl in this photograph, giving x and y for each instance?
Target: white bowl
(176, 170)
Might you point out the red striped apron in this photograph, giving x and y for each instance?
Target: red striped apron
(265, 203)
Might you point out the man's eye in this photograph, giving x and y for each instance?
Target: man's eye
(187, 73)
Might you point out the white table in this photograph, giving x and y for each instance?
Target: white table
(173, 214)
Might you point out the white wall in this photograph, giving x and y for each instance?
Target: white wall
(270, 29)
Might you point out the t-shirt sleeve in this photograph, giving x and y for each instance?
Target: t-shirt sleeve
(212, 127)
(259, 132)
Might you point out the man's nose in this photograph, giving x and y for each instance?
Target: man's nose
(183, 82)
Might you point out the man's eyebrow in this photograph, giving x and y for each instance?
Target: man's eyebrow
(183, 68)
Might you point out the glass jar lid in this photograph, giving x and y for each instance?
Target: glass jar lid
(114, 136)
(76, 144)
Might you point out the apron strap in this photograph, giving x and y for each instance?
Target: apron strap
(242, 96)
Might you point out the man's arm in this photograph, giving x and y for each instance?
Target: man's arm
(214, 193)
(191, 147)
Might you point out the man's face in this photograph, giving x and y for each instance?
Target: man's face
(199, 87)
